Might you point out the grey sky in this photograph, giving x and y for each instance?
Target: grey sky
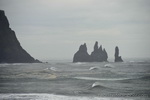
(54, 29)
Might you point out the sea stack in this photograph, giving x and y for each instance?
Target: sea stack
(98, 54)
(10, 48)
(117, 57)
(81, 55)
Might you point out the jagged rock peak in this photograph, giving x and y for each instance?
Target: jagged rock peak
(117, 57)
(3, 20)
(98, 55)
(10, 48)
(96, 46)
(105, 55)
(116, 52)
(100, 48)
(83, 48)
(81, 55)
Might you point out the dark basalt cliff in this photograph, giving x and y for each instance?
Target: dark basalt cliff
(117, 57)
(10, 48)
(98, 55)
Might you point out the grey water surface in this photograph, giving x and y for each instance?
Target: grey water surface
(64, 80)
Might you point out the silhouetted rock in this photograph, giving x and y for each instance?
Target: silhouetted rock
(105, 56)
(10, 48)
(98, 55)
(81, 55)
(117, 57)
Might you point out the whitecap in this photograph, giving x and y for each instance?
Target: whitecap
(79, 63)
(96, 84)
(93, 68)
(45, 96)
(46, 69)
(108, 66)
(101, 79)
(53, 68)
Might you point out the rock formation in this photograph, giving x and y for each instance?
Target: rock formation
(10, 48)
(81, 55)
(117, 57)
(98, 55)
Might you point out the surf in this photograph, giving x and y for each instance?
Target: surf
(45, 96)
(101, 79)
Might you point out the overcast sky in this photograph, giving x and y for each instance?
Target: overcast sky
(54, 29)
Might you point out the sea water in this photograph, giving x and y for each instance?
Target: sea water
(64, 80)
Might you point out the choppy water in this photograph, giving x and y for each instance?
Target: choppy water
(63, 80)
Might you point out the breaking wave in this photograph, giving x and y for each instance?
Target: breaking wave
(108, 66)
(93, 68)
(44, 96)
(97, 84)
(101, 79)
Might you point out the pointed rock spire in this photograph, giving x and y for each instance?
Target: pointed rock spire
(81, 55)
(100, 48)
(83, 48)
(96, 47)
(3, 20)
(105, 56)
(117, 57)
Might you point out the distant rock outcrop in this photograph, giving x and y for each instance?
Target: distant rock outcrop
(81, 55)
(98, 55)
(117, 57)
(10, 48)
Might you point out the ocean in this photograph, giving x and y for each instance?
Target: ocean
(64, 80)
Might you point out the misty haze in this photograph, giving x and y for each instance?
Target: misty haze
(74, 49)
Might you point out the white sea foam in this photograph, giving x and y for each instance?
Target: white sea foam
(108, 66)
(93, 68)
(46, 69)
(40, 96)
(53, 68)
(101, 79)
(79, 63)
(96, 84)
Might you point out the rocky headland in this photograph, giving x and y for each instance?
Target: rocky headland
(10, 48)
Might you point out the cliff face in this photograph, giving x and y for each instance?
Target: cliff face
(98, 55)
(10, 48)
(117, 57)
